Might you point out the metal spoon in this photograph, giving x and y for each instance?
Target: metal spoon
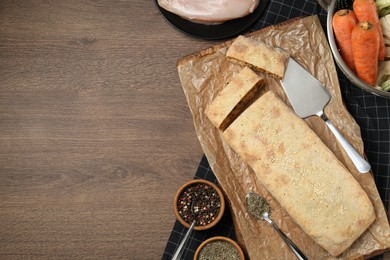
(180, 249)
(259, 208)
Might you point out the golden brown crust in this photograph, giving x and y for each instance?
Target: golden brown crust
(301, 173)
(259, 55)
(232, 99)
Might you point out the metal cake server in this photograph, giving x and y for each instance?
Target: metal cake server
(308, 97)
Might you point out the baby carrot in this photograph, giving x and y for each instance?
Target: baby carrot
(344, 21)
(365, 49)
(365, 10)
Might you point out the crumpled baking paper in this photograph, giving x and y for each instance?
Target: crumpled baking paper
(205, 73)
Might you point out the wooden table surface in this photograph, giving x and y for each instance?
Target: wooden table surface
(95, 132)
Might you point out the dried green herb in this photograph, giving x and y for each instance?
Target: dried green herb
(218, 250)
(257, 205)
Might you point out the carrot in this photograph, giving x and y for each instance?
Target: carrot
(365, 10)
(344, 21)
(365, 49)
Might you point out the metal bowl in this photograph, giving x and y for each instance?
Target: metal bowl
(332, 6)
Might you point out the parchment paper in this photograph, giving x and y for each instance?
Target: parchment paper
(205, 73)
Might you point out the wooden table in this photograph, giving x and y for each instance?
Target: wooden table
(95, 131)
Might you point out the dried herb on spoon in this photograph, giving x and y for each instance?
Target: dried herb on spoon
(257, 206)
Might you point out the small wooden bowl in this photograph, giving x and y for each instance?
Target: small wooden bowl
(219, 238)
(221, 209)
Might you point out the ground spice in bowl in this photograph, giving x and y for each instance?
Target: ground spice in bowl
(200, 201)
(217, 248)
